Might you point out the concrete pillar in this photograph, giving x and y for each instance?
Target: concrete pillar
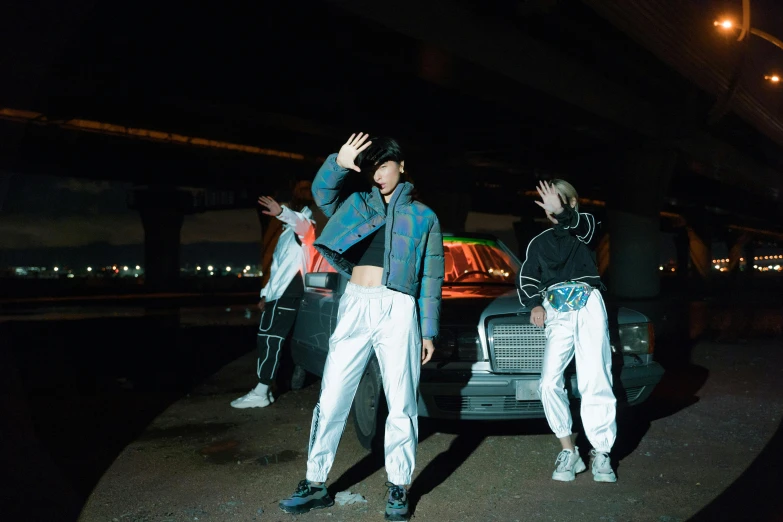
(701, 234)
(749, 254)
(162, 214)
(683, 250)
(633, 221)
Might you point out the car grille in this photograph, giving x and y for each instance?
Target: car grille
(516, 347)
(486, 404)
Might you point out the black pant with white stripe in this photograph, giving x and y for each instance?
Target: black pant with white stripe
(276, 322)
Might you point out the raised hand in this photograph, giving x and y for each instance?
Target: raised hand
(273, 208)
(351, 149)
(550, 200)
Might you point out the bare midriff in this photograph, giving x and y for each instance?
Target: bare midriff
(365, 275)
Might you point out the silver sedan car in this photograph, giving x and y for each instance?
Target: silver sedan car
(488, 356)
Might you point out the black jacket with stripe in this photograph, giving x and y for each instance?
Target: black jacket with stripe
(559, 254)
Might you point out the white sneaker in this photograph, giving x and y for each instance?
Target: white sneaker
(567, 465)
(259, 397)
(601, 465)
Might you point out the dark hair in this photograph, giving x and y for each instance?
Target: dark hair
(383, 149)
(301, 195)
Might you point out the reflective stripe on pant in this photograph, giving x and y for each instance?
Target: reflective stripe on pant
(386, 321)
(276, 322)
(582, 333)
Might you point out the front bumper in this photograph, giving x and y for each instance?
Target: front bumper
(491, 396)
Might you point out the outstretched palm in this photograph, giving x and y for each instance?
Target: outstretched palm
(351, 149)
(550, 199)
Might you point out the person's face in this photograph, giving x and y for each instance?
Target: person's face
(387, 177)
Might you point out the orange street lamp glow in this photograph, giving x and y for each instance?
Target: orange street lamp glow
(774, 78)
(726, 24)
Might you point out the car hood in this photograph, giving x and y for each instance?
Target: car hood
(467, 304)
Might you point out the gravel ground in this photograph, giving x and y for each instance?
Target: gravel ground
(687, 450)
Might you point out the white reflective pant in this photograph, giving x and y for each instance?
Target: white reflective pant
(584, 333)
(385, 321)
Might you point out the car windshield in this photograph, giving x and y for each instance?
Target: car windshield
(477, 261)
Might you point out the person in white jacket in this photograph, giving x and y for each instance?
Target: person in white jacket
(281, 295)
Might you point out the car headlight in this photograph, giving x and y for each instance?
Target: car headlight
(469, 346)
(460, 345)
(637, 339)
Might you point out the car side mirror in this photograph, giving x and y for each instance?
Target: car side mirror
(324, 280)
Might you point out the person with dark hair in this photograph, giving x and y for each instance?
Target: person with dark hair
(560, 285)
(392, 249)
(280, 297)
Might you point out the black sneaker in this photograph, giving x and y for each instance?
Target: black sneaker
(306, 497)
(397, 506)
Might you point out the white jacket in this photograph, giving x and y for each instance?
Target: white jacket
(289, 257)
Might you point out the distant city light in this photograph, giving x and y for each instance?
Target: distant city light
(138, 267)
(89, 269)
(212, 273)
(198, 268)
(774, 78)
(228, 269)
(660, 268)
(56, 269)
(210, 268)
(725, 24)
(125, 269)
(247, 267)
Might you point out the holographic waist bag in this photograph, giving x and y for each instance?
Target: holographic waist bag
(568, 296)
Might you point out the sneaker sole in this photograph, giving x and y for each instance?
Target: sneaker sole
(245, 406)
(579, 467)
(604, 477)
(304, 508)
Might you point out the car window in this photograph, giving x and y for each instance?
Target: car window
(474, 261)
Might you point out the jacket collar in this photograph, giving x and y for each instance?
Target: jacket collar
(400, 196)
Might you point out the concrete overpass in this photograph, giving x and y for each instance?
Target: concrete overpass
(626, 99)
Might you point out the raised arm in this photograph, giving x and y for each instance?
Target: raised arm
(580, 224)
(563, 216)
(330, 177)
(302, 222)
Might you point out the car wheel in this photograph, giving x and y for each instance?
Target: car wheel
(298, 377)
(369, 408)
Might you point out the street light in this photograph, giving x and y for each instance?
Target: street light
(728, 25)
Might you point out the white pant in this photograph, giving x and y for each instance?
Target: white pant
(584, 333)
(385, 321)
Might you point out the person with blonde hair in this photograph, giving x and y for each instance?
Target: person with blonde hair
(281, 295)
(560, 285)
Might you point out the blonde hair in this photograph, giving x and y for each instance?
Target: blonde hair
(566, 191)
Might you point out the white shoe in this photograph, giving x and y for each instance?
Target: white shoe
(601, 465)
(259, 397)
(567, 465)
